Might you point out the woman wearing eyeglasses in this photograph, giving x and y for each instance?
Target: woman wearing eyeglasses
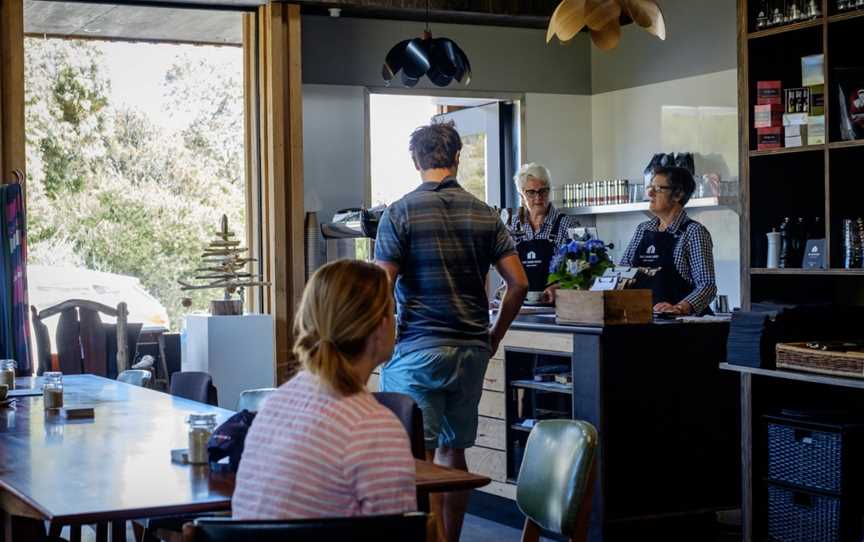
(538, 229)
(679, 246)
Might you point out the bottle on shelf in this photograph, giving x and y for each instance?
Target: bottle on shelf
(762, 15)
(816, 229)
(799, 241)
(773, 249)
(785, 244)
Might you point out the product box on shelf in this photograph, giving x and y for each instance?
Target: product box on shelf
(769, 92)
(817, 99)
(797, 100)
(812, 70)
(816, 130)
(769, 138)
(767, 116)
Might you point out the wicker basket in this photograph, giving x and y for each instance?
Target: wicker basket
(800, 358)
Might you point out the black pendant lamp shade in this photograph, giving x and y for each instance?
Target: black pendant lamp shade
(440, 59)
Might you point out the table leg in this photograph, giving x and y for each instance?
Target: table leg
(102, 532)
(423, 501)
(747, 456)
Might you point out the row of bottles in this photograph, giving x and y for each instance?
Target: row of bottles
(793, 237)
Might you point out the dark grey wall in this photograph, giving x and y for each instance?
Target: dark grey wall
(347, 51)
(701, 38)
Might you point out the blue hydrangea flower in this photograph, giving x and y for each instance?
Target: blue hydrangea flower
(593, 259)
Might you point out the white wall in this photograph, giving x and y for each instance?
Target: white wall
(558, 135)
(334, 148)
(695, 114)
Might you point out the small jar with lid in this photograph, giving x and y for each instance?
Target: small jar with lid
(7, 372)
(201, 426)
(52, 390)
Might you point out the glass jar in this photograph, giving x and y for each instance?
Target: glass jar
(52, 390)
(7, 372)
(201, 426)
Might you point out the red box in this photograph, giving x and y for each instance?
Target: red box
(769, 138)
(768, 116)
(769, 92)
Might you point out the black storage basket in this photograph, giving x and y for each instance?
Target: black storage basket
(800, 516)
(812, 455)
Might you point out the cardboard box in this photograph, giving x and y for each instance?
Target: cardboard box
(769, 92)
(817, 99)
(816, 130)
(767, 116)
(769, 138)
(797, 100)
(795, 119)
(812, 70)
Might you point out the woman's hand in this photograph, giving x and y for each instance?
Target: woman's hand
(682, 309)
(548, 295)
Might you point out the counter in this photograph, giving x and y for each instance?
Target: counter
(665, 413)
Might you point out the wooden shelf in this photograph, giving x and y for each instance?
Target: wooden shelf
(814, 272)
(800, 376)
(517, 427)
(846, 16)
(785, 28)
(695, 203)
(544, 386)
(846, 144)
(787, 150)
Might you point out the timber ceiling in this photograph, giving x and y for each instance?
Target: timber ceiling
(151, 20)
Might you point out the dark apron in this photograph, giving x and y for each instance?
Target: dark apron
(657, 250)
(536, 255)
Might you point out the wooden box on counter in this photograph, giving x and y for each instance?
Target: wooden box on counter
(613, 307)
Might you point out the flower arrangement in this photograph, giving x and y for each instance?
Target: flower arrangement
(576, 264)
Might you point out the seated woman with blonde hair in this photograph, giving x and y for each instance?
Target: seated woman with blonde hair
(322, 446)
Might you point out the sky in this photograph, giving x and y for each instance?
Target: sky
(392, 119)
(137, 70)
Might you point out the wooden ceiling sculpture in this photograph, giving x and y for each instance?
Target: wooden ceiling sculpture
(603, 19)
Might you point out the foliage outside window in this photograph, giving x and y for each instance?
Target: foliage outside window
(111, 190)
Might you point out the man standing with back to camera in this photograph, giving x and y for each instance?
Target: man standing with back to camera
(437, 244)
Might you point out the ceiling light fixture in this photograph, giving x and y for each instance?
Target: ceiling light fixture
(440, 59)
(602, 17)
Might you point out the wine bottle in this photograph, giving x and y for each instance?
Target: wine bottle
(785, 243)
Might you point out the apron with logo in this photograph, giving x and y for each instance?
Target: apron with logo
(536, 255)
(657, 250)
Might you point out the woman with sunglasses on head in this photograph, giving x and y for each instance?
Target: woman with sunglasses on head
(679, 246)
(538, 229)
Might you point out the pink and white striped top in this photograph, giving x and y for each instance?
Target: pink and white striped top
(311, 453)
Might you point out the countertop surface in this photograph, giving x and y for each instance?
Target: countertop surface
(547, 322)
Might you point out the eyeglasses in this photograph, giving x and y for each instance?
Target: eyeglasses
(657, 188)
(542, 193)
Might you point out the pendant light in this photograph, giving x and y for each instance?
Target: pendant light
(440, 59)
(602, 17)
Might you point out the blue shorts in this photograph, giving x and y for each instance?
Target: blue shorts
(446, 382)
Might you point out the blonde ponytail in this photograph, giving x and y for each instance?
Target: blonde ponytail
(342, 305)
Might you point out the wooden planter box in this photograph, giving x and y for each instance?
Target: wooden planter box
(612, 307)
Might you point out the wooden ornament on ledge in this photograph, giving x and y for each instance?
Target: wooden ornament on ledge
(224, 267)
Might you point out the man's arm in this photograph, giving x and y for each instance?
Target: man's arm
(391, 268)
(510, 268)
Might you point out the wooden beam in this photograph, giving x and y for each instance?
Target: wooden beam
(12, 150)
(282, 162)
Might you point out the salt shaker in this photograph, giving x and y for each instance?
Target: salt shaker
(52, 390)
(201, 426)
(7, 372)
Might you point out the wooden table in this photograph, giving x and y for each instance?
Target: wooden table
(117, 465)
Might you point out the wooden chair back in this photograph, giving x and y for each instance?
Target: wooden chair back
(81, 339)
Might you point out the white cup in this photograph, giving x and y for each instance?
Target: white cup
(533, 297)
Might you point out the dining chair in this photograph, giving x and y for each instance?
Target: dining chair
(404, 407)
(556, 480)
(194, 385)
(410, 527)
(136, 377)
(252, 400)
(84, 343)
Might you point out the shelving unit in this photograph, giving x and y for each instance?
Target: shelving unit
(642, 206)
(811, 181)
